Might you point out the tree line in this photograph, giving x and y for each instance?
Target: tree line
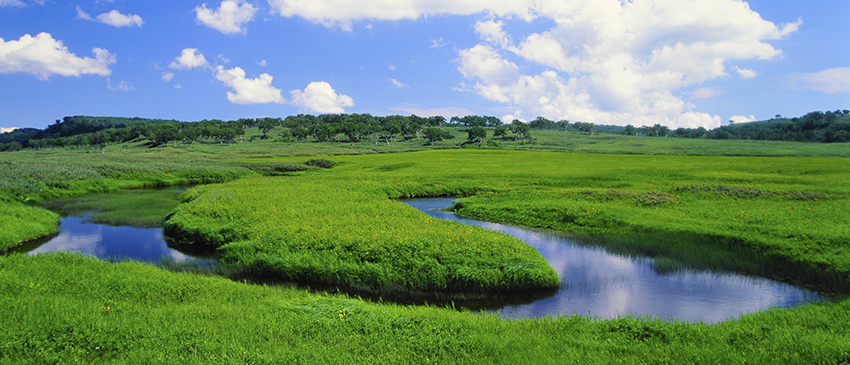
(86, 131)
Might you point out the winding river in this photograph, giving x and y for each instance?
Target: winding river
(595, 282)
(598, 283)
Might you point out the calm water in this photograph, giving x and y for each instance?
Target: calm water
(103, 241)
(598, 283)
(595, 282)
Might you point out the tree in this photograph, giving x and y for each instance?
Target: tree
(14, 146)
(500, 131)
(266, 125)
(476, 134)
(541, 123)
(433, 134)
(519, 129)
(585, 127)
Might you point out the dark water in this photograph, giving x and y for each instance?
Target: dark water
(599, 283)
(104, 241)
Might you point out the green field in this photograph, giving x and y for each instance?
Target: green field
(780, 217)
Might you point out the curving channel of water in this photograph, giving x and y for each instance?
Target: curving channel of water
(595, 282)
(599, 283)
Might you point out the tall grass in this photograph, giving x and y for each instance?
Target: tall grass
(22, 223)
(61, 308)
(312, 229)
(64, 308)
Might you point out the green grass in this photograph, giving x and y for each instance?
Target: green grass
(136, 208)
(327, 231)
(63, 308)
(21, 223)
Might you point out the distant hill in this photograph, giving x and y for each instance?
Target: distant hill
(828, 127)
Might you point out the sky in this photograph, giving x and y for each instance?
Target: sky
(679, 63)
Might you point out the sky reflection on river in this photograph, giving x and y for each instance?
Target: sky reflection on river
(598, 283)
(103, 241)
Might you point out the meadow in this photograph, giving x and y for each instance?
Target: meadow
(64, 307)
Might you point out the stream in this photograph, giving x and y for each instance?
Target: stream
(598, 283)
(595, 282)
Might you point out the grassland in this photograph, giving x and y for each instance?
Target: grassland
(338, 233)
(61, 308)
(135, 208)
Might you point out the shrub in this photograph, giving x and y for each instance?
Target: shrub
(321, 163)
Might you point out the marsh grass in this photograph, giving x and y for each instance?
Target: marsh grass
(314, 230)
(135, 208)
(60, 308)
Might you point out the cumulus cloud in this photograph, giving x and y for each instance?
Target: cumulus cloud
(113, 18)
(399, 84)
(607, 61)
(320, 97)
(429, 112)
(16, 3)
(706, 93)
(116, 19)
(167, 76)
(189, 58)
(745, 73)
(44, 56)
(249, 91)
(8, 130)
(82, 14)
(341, 14)
(437, 43)
(615, 62)
(831, 81)
(742, 119)
(229, 18)
(122, 86)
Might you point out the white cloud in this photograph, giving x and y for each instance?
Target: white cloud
(188, 59)
(615, 62)
(742, 119)
(391, 67)
(113, 18)
(249, 91)
(428, 112)
(320, 97)
(16, 3)
(82, 14)
(831, 81)
(116, 19)
(706, 93)
(8, 130)
(607, 61)
(341, 14)
(437, 43)
(44, 56)
(122, 86)
(167, 76)
(262, 63)
(229, 18)
(399, 84)
(745, 73)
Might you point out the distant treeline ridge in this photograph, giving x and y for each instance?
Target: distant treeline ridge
(76, 131)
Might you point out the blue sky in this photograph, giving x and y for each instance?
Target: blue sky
(680, 63)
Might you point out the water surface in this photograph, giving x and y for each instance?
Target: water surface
(596, 282)
(76, 234)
